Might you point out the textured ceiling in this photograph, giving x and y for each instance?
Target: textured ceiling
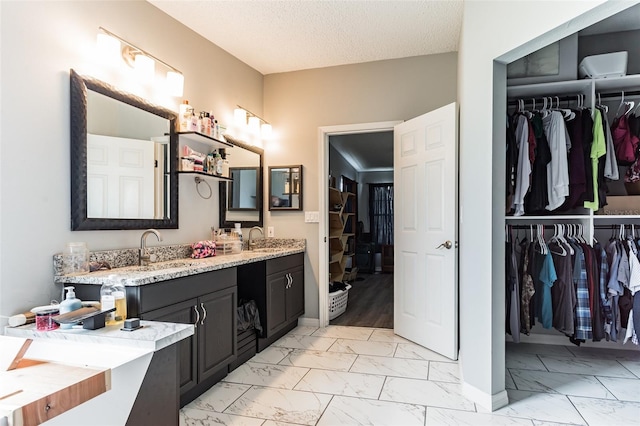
(289, 35)
(366, 152)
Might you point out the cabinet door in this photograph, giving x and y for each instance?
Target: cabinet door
(217, 334)
(182, 313)
(295, 294)
(276, 302)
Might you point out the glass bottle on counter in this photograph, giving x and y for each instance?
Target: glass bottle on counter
(113, 295)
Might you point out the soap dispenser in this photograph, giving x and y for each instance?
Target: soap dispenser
(69, 304)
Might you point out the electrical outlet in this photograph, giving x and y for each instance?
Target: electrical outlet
(270, 232)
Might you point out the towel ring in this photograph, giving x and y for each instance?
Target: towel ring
(199, 180)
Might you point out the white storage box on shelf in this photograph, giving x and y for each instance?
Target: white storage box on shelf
(338, 302)
(604, 66)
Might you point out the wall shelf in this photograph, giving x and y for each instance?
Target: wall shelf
(207, 175)
(203, 139)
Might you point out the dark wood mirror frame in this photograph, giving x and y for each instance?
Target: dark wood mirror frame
(78, 119)
(259, 190)
(295, 189)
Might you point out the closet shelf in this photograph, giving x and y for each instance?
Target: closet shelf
(586, 86)
(537, 219)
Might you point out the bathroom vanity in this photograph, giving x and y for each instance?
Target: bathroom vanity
(205, 293)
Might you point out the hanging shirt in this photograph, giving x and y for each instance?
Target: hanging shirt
(598, 149)
(610, 163)
(547, 278)
(511, 163)
(583, 329)
(524, 165)
(562, 292)
(577, 176)
(557, 169)
(528, 290)
(538, 197)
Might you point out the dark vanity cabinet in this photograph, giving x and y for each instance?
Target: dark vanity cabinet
(209, 302)
(277, 286)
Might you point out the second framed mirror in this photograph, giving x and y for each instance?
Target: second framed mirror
(285, 188)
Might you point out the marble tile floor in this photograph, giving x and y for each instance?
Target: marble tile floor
(365, 376)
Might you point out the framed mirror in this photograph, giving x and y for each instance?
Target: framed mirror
(241, 199)
(124, 155)
(285, 188)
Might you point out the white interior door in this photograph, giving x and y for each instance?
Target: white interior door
(425, 231)
(120, 177)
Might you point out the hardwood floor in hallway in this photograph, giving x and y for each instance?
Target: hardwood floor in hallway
(370, 302)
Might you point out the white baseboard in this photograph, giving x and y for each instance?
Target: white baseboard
(485, 400)
(309, 322)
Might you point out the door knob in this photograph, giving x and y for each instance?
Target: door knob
(447, 244)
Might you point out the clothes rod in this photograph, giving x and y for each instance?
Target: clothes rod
(549, 226)
(616, 94)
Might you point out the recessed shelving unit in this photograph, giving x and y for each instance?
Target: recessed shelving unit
(341, 223)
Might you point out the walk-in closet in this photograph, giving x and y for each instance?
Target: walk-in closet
(572, 208)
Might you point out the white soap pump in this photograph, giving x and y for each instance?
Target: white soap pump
(69, 304)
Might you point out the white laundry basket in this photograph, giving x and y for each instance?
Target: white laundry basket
(338, 302)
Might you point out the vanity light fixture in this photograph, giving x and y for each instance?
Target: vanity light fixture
(255, 126)
(142, 61)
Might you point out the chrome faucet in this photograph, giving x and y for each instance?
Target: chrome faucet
(251, 242)
(143, 257)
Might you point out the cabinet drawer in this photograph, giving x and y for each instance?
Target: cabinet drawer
(284, 263)
(164, 293)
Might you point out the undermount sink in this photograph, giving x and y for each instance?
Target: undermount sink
(267, 250)
(165, 265)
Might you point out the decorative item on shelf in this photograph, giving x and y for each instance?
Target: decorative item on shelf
(109, 46)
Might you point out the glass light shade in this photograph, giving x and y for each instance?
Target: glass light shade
(266, 131)
(254, 125)
(145, 67)
(240, 117)
(175, 83)
(108, 48)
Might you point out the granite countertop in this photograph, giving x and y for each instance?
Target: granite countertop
(172, 268)
(153, 335)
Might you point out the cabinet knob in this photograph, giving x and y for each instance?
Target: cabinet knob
(204, 313)
(195, 308)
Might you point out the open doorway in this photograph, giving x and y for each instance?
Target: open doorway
(357, 158)
(361, 171)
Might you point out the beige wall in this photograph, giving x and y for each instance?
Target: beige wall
(297, 103)
(41, 41)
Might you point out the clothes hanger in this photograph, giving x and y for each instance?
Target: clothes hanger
(564, 240)
(621, 104)
(556, 238)
(630, 105)
(604, 107)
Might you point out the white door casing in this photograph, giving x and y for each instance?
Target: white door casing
(425, 231)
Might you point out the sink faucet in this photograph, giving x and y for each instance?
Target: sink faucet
(251, 243)
(143, 257)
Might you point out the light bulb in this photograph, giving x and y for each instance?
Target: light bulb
(266, 131)
(254, 125)
(240, 117)
(145, 67)
(108, 48)
(175, 83)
